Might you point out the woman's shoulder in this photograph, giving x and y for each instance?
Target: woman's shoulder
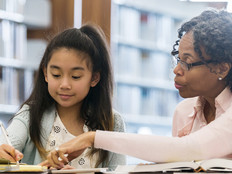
(184, 108)
(119, 124)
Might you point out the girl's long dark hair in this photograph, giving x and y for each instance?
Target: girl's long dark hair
(97, 106)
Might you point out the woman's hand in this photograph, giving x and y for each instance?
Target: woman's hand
(70, 150)
(10, 153)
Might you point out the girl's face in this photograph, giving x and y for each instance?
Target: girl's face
(198, 81)
(68, 77)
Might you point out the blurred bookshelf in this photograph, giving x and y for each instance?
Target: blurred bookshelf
(17, 65)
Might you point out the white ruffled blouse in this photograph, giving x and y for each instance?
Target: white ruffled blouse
(60, 135)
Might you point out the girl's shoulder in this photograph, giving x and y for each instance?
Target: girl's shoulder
(119, 124)
(23, 112)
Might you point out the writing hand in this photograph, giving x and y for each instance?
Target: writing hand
(10, 153)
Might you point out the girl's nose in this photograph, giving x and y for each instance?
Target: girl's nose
(65, 84)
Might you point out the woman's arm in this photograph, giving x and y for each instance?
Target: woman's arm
(213, 140)
(116, 159)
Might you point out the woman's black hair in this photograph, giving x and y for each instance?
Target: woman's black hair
(212, 31)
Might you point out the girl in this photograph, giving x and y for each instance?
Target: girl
(72, 95)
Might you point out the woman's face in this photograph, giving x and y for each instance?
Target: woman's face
(199, 80)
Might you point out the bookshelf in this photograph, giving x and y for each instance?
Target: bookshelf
(143, 33)
(17, 69)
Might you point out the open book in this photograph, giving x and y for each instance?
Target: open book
(81, 171)
(217, 164)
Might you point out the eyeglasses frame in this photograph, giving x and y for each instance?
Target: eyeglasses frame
(190, 65)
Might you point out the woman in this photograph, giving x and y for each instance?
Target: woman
(202, 122)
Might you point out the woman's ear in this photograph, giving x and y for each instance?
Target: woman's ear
(95, 79)
(223, 69)
(45, 74)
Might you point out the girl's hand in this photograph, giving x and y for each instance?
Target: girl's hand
(70, 150)
(68, 167)
(46, 163)
(10, 153)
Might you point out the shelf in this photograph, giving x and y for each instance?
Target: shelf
(34, 19)
(148, 119)
(175, 9)
(20, 64)
(145, 83)
(8, 109)
(140, 44)
(15, 17)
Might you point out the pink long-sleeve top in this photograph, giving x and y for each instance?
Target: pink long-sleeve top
(195, 140)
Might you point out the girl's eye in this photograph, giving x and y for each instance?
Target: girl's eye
(75, 77)
(55, 75)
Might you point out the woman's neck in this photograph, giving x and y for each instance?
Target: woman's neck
(209, 110)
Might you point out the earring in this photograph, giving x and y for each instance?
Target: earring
(220, 78)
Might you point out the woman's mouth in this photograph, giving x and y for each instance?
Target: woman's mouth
(178, 86)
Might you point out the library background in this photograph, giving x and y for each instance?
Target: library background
(140, 33)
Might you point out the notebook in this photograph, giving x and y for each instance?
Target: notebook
(7, 166)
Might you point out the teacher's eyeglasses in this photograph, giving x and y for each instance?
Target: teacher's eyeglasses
(187, 66)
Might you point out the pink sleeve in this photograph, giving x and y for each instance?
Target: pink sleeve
(213, 140)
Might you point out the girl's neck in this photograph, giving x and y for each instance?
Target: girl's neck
(71, 118)
(68, 112)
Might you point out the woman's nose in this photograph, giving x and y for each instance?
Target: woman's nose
(178, 70)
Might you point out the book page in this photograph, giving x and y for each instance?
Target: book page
(172, 166)
(84, 171)
(22, 168)
(217, 164)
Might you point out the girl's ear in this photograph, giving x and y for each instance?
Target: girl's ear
(95, 79)
(45, 74)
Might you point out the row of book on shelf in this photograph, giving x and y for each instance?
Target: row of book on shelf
(13, 40)
(139, 63)
(13, 6)
(135, 24)
(15, 85)
(146, 101)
